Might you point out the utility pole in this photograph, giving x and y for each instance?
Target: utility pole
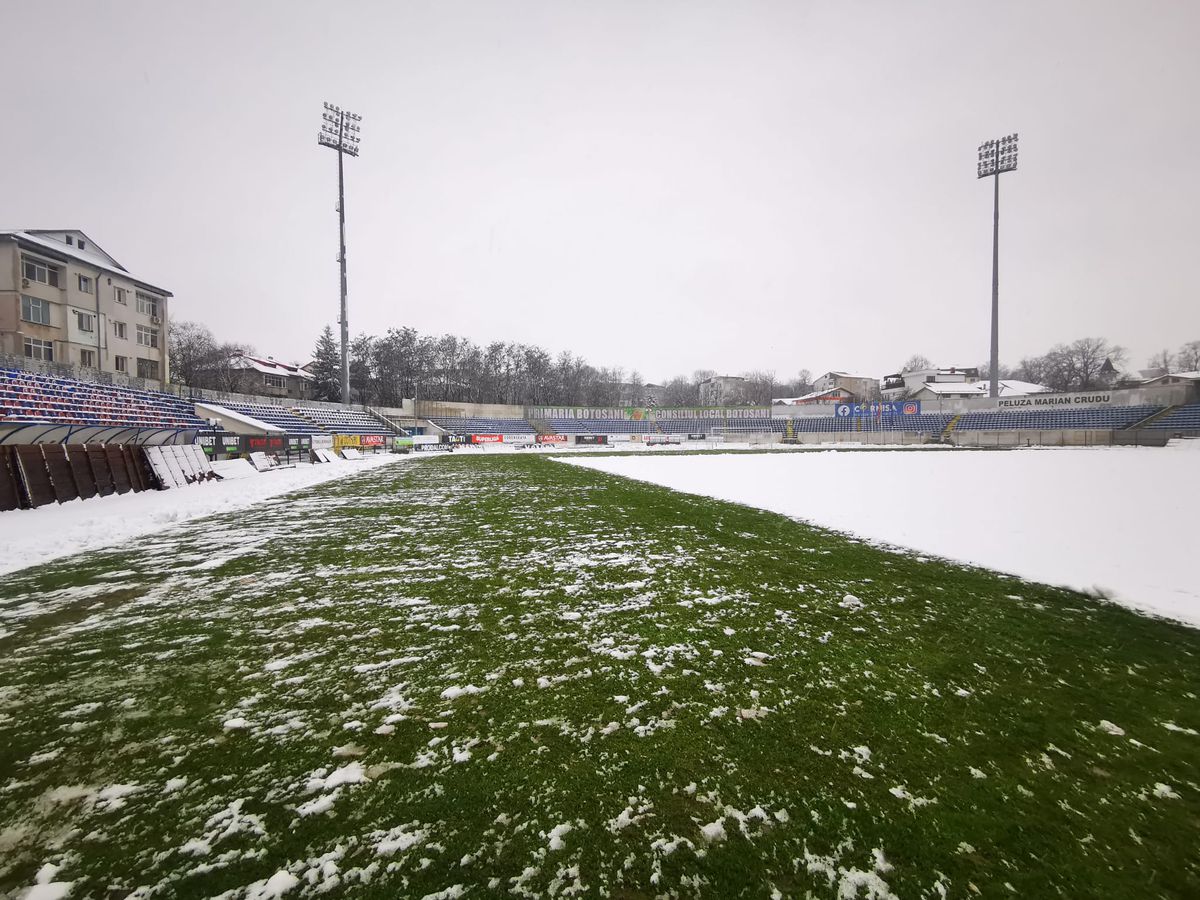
(996, 157)
(339, 130)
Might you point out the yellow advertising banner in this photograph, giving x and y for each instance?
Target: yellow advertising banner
(346, 440)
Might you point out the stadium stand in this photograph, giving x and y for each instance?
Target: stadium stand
(925, 423)
(598, 426)
(1098, 418)
(342, 421)
(279, 416)
(464, 425)
(1185, 418)
(35, 398)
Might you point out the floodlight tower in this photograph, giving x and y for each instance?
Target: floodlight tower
(339, 130)
(995, 157)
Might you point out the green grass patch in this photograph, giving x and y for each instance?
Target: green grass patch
(505, 676)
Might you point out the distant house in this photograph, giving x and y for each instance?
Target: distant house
(816, 398)
(65, 300)
(1165, 378)
(723, 390)
(272, 378)
(636, 394)
(905, 385)
(966, 390)
(861, 387)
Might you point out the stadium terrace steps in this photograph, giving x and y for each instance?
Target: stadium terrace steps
(37, 398)
(342, 421)
(467, 425)
(1181, 418)
(279, 416)
(1098, 418)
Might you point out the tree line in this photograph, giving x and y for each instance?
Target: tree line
(404, 364)
(1082, 365)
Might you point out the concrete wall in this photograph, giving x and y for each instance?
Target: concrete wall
(435, 408)
(1007, 438)
(1156, 395)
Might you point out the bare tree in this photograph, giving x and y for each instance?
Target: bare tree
(1164, 360)
(1188, 357)
(192, 348)
(916, 363)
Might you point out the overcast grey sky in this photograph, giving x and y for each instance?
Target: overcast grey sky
(658, 185)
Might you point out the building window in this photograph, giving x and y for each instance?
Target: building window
(87, 322)
(35, 349)
(85, 284)
(122, 363)
(70, 240)
(147, 368)
(275, 381)
(120, 331)
(147, 304)
(121, 295)
(35, 310)
(87, 358)
(82, 244)
(36, 270)
(147, 336)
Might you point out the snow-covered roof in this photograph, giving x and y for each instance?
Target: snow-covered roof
(1186, 376)
(1008, 388)
(850, 375)
(50, 241)
(810, 397)
(269, 367)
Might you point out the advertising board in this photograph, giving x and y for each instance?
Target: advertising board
(591, 439)
(647, 413)
(487, 438)
(552, 439)
(1042, 401)
(372, 440)
(878, 410)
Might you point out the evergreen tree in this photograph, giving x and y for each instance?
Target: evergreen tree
(327, 368)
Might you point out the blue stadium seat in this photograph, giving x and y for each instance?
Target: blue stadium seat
(33, 397)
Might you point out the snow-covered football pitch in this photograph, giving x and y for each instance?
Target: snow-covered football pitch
(499, 675)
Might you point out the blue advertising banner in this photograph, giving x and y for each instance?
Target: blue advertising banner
(878, 410)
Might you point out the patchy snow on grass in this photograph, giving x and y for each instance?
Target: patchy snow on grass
(35, 536)
(1047, 514)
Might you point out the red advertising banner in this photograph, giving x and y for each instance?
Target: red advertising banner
(486, 438)
(372, 440)
(552, 439)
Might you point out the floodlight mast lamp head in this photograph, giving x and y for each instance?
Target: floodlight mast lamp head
(997, 156)
(340, 130)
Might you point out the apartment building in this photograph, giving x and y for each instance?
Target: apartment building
(65, 300)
